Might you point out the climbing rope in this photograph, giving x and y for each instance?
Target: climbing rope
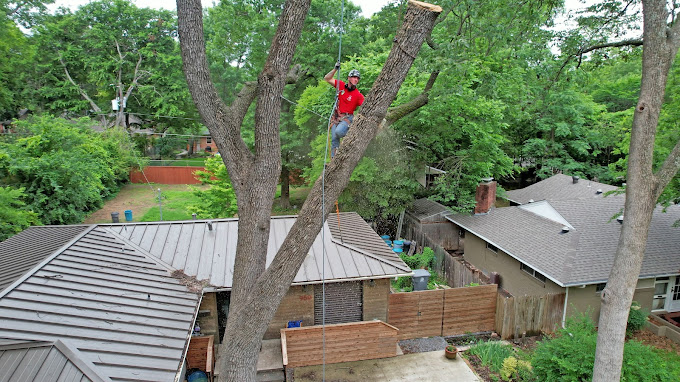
(323, 199)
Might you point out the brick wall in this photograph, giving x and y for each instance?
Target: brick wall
(297, 304)
(376, 297)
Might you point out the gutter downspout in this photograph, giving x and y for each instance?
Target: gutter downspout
(564, 313)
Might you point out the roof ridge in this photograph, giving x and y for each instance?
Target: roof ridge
(140, 250)
(371, 255)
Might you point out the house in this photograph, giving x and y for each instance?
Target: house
(560, 236)
(120, 301)
(203, 142)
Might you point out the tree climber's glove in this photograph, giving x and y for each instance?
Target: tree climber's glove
(337, 65)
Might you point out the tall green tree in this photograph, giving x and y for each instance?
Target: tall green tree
(14, 215)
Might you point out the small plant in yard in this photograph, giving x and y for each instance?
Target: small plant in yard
(418, 261)
(514, 369)
(636, 318)
(491, 354)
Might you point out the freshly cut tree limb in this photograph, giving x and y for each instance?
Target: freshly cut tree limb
(659, 51)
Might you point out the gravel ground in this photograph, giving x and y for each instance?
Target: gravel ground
(421, 345)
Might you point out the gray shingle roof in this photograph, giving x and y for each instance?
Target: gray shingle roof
(209, 255)
(116, 306)
(585, 254)
(25, 250)
(425, 208)
(45, 362)
(559, 187)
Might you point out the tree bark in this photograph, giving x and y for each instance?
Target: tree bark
(256, 293)
(642, 191)
(284, 200)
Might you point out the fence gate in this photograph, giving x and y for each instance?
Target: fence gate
(416, 314)
(471, 309)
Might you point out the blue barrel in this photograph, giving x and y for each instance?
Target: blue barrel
(397, 250)
(128, 215)
(385, 237)
(389, 243)
(398, 244)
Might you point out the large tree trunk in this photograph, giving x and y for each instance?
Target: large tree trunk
(642, 191)
(256, 295)
(284, 200)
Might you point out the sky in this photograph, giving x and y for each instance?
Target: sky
(368, 7)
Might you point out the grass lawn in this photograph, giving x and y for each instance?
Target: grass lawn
(142, 200)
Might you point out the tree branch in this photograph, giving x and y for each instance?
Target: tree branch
(440, 18)
(400, 111)
(80, 90)
(668, 169)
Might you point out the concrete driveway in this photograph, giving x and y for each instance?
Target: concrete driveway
(430, 366)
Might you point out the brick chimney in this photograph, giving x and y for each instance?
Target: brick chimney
(486, 196)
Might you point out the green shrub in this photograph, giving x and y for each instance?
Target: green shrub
(418, 261)
(570, 356)
(516, 370)
(491, 354)
(636, 318)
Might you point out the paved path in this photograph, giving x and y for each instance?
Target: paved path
(429, 366)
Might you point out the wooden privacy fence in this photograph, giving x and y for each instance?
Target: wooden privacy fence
(354, 341)
(528, 315)
(443, 312)
(166, 175)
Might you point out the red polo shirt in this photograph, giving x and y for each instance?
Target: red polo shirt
(348, 101)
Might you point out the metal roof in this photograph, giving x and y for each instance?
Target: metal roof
(45, 362)
(206, 254)
(117, 307)
(559, 187)
(25, 250)
(585, 254)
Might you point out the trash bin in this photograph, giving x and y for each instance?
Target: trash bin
(128, 215)
(420, 279)
(114, 217)
(294, 324)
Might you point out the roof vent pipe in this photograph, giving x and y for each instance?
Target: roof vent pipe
(574, 179)
(531, 200)
(210, 226)
(598, 192)
(620, 219)
(565, 229)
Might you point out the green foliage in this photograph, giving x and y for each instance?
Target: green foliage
(219, 201)
(65, 167)
(514, 369)
(175, 206)
(570, 356)
(636, 318)
(418, 261)
(14, 216)
(491, 354)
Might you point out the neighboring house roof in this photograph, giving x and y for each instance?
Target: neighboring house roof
(532, 234)
(117, 307)
(25, 250)
(45, 362)
(559, 187)
(425, 208)
(206, 254)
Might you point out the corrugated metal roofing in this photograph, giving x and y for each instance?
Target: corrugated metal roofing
(586, 253)
(27, 249)
(45, 362)
(115, 305)
(209, 254)
(559, 187)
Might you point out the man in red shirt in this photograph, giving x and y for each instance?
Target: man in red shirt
(349, 98)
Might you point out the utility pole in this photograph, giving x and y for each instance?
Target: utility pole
(160, 205)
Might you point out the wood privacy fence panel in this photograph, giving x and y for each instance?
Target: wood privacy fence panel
(528, 315)
(344, 343)
(443, 312)
(166, 175)
(416, 314)
(471, 309)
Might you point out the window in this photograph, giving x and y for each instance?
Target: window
(491, 247)
(461, 233)
(208, 139)
(534, 273)
(660, 293)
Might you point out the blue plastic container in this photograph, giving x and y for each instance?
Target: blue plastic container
(398, 244)
(389, 243)
(397, 250)
(128, 215)
(385, 237)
